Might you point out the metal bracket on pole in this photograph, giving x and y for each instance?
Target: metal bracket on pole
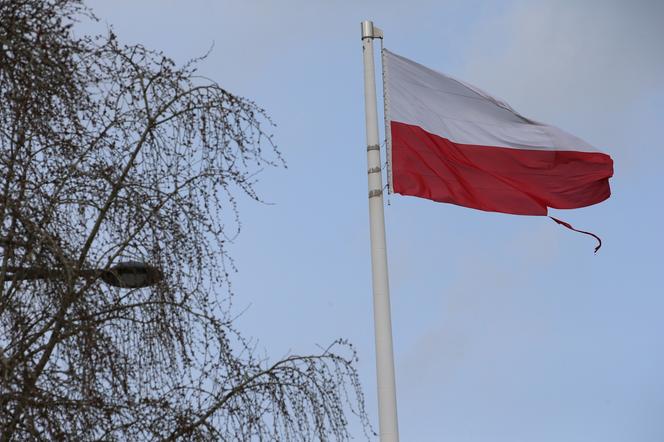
(370, 31)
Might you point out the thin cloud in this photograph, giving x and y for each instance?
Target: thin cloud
(590, 55)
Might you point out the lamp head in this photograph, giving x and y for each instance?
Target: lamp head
(132, 275)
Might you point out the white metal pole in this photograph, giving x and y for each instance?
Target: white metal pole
(387, 400)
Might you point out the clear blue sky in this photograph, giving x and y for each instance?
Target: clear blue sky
(506, 328)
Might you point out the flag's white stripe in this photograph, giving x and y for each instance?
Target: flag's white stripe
(463, 113)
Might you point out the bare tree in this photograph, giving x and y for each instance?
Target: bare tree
(112, 153)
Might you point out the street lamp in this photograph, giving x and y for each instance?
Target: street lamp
(132, 275)
(128, 274)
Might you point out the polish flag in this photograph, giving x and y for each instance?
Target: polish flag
(453, 143)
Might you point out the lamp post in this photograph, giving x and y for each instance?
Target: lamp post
(127, 274)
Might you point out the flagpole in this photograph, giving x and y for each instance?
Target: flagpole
(387, 401)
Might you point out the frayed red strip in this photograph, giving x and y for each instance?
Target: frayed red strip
(569, 226)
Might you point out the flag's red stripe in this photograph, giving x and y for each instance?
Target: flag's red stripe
(497, 179)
